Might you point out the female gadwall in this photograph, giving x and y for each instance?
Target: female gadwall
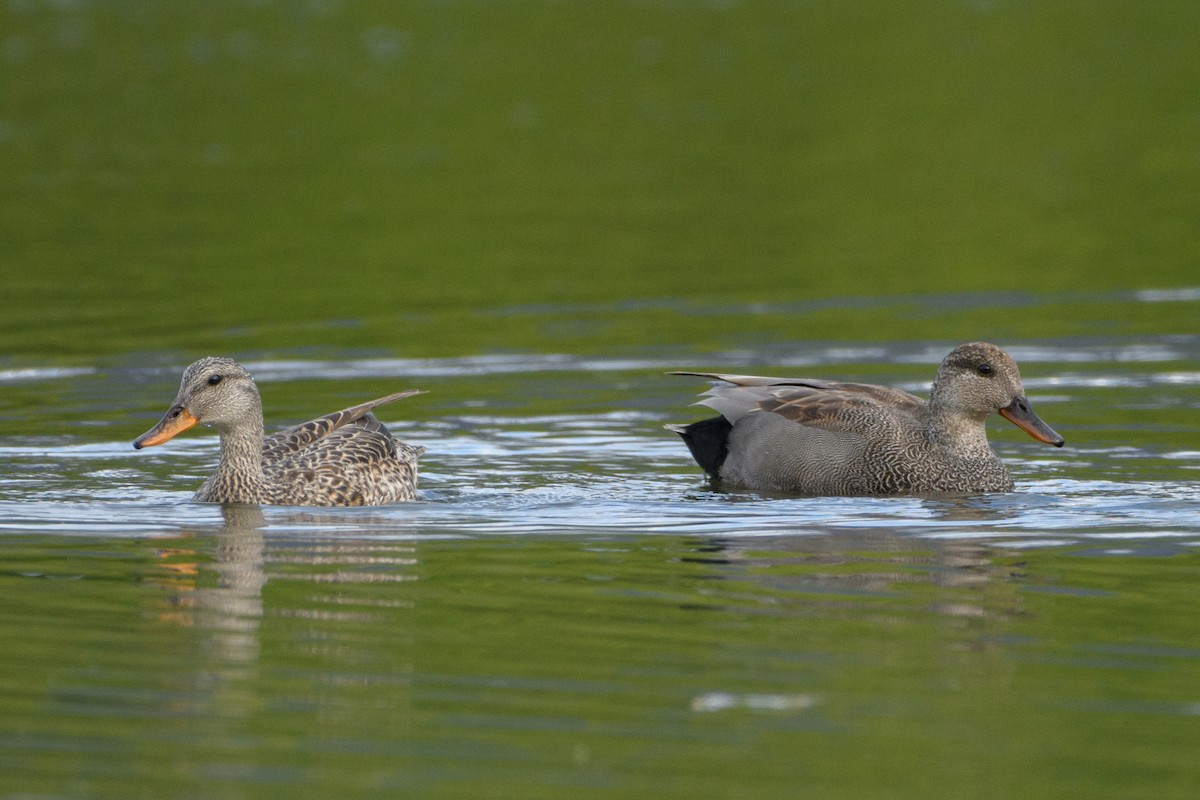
(825, 438)
(347, 458)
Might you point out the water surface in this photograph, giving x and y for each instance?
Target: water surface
(569, 608)
(533, 210)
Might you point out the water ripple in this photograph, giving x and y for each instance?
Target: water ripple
(615, 471)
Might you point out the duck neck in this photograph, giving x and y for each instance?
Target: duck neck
(957, 430)
(241, 452)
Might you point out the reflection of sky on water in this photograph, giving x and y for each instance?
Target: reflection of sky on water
(495, 470)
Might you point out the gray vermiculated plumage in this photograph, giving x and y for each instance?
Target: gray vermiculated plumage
(341, 459)
(816, 437)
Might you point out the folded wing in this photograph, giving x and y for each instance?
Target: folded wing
(830, 405)
(345, 427)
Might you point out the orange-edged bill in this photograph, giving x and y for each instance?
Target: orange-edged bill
(174, 422)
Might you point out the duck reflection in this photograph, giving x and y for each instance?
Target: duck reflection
(233, 610)
(968, 579)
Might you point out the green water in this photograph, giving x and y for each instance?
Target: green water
(533, 210)
(236, 175)
(858, 666)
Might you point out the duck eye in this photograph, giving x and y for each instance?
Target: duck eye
(984, 369)
(213, 380)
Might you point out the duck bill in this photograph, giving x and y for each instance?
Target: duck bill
(1020, 414)
(173, 423)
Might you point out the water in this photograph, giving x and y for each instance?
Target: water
(500, 462)
(532, 211)
(569, 609)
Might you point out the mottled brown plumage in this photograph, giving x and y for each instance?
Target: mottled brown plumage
(347, 458)
(803, 436)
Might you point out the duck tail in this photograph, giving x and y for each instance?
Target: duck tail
(708, 440)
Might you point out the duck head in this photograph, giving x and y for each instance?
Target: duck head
(214, 391)
(979, 379)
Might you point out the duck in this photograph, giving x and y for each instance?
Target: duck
(347, 458)
(802, 436)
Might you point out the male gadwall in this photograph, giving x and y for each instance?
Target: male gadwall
(818, 437)
(347, 458)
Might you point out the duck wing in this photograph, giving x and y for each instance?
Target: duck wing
(350, 445)
(353, 431)
(352, 466)
(832, 405)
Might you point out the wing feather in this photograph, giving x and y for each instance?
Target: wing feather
(831, 405)
(280, 445)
